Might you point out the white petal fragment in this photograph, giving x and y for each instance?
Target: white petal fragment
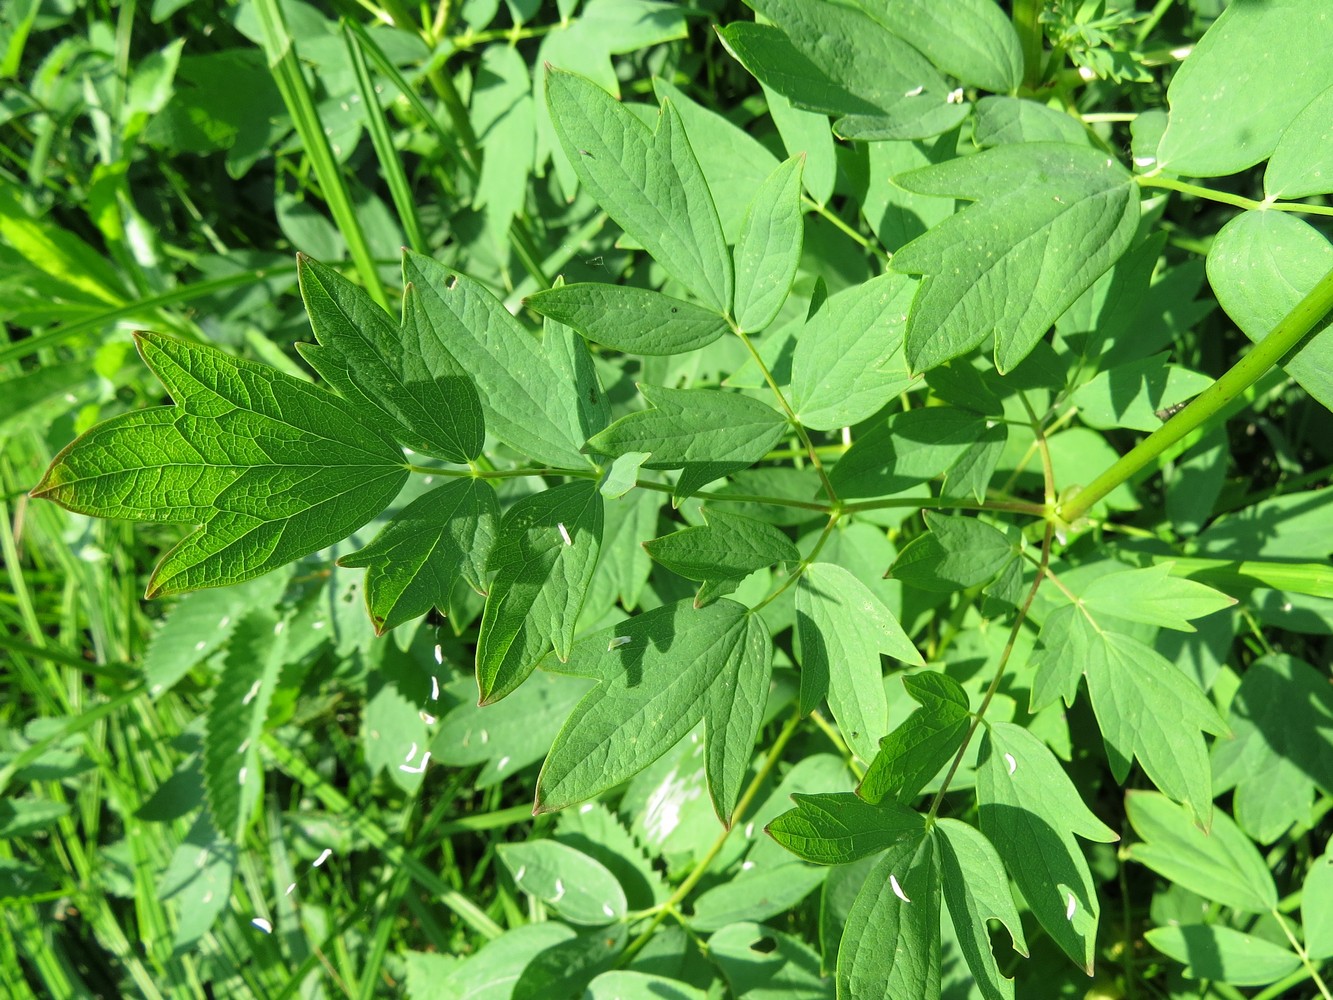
(411, 753)
(324, 856)
(897, 889)
(425, 759)
(559, 891)
(618, 641)
(1070, 907)
(250, 695)
(564, 533)
(1013, 764)
(263, 925)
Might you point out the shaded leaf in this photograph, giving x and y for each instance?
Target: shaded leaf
(722, 552)
(633, 320)
(969, 39)
(907, 449)
(1224, 955)
(956, 553)
(837, 828)
(922, 744)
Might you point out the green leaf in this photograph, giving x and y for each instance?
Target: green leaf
(924, 743)
(1030, 811)
(633, 320)
(770, 56)
(976, 890)
(972, 473)
(1224, 955)
(526, 402)
(706, 432)
(837, 828)
(769, 247)
(1049, 219)
(1302, 163)
(1317, 907)
(806, 132)
(957, 553)
(1216, 125)
(1154, 597)
(722, 552)
(22, 817)
(413, 564)
(572, 363)
(648, 182)
(969, 39)
(503, 114)
(1130, 395)
(849, 361)
(1003, 120)
(756, 894)
(1221, 865)
(841, 630)
(1261, 264)
(543, 562)
(660, 672)
(271, 467)
(907, 449)
(198, 880)
(765, 964)
(1281, 717)
(907, 98)
(403, 371)
(574, 885)
(891, 945)
(625, 984)
(511, 734)
(235, 720)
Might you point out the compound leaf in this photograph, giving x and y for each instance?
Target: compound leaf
(543, 563)
(403, 371)
(1049, 219)
(660, 672)
(271, 467)
(648, 182)
(413, 564)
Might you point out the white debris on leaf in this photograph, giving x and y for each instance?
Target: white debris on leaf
(1071, 907)
(916, 91)
(250, 695)
(897, 889)
(955, 96)
(425, 759)
(564, 533)
(618, 641)
(263, 925)
(1013, 764)
(324, 856)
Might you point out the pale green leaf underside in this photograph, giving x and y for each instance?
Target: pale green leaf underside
(648, 182)
(271, 467)
(660, 672)
(1049, 219)
(1224, 955)
(1154, 597)
(578, 887)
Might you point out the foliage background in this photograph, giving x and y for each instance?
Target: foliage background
(162, 165)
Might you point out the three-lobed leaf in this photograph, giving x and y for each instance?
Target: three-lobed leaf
(270, 467)
(722, 552)
(925, 741)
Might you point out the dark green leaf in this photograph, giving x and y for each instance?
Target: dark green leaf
(957, 553)
(660, 672)
(706, 432)
(404, 371)
(838, 828)
(909, 448)
(633, 320)
(970, 39)
(1049, 219)
(926, 741)
(271, 467)
(1030, 811)
(413, 564)
(722, 552)
(543, 562)
(891, 945)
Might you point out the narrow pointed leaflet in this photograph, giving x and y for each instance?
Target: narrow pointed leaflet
(270, 467)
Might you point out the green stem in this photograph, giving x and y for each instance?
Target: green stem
(999, 671)
(1226, 198)
(1027, 22)
(691, 880)
(1282, 339)
(837, 223)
